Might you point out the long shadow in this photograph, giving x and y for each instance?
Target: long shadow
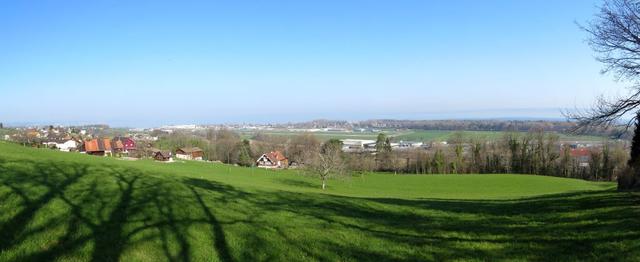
(220, 241)
(568, 226)
(166, 210)
(115, 208)
(105, 201)
(10, 230)
(500, 222)
(296, 183)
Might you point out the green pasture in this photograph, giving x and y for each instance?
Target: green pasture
(70, 207)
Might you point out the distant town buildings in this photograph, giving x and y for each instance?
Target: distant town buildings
(358, 145)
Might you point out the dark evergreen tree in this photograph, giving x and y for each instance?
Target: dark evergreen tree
(380, 142)
(332, 144)
(631, 180)
(635, 144)
(387, 145)
(244, 153)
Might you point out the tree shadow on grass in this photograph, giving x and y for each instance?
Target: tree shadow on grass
(111, 210)
(574, 226)
(565, 227)
(48, 177)
(297, 183)
(118, 207)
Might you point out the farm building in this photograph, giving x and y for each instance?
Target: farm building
(164, 156)
(582, 155)
(128, 144)
(358, 145)
(406, 145)
(274, 159)
(66, 146)
(117, 146)
(97, 147)
(189, 153)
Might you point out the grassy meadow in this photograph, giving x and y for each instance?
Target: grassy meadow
(70, 207)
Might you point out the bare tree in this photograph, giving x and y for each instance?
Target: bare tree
(328, 162)
(615, 36)
(223, 145)
(302, 147)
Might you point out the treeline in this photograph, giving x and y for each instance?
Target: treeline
(531, 153)
(217, 145)
(534, 152)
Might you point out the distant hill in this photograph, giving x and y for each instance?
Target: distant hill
(461, 125)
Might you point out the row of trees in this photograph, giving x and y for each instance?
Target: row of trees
(604, 163)
(535, 152)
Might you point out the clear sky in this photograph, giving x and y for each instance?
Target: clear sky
(143, 63)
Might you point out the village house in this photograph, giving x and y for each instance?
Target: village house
(97, 147)
(189, 153)
(164, 156)
(117, 147)
(32, 133)
(65, 146)
(126, 144)
(582, 155)
(274, 159)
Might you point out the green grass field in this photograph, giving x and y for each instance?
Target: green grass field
(70, 207)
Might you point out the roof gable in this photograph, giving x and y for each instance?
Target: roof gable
(188, 150)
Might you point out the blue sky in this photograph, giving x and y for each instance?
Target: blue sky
(143, 63)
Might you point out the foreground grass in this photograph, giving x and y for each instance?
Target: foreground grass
(70, 207)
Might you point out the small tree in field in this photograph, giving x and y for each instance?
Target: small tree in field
(328, 162)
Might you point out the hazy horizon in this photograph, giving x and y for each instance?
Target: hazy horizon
(479, 115)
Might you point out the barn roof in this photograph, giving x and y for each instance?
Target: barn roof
(189, 149)
(95, 145)
(276, 156)
(164, 154)
(118, 144)
(578, 152)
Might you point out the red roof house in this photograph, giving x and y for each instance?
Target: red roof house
(98, 147)
(125, 143)
(273, 159)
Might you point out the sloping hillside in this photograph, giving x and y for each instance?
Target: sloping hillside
(70, 207)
